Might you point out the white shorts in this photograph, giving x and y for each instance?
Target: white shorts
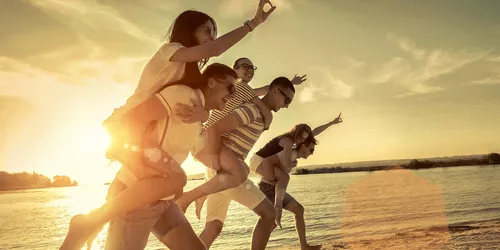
(247, 194)
(255, 162)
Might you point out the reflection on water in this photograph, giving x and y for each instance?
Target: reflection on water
(366, 204)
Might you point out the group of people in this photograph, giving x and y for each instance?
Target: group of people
(218, 117)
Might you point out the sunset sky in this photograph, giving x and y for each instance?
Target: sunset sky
(411, 78)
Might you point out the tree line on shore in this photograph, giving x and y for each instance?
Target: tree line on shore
(24, 180)
(489, 159)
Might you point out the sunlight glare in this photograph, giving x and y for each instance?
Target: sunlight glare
(95, 140)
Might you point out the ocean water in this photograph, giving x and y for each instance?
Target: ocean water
(337, 206)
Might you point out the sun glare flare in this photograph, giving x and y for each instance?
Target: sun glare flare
(95, 140)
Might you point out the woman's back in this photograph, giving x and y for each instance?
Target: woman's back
(158, 72)
(271, 148)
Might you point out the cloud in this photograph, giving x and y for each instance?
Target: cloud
(92, 14)
(407, 45)
(418, 67)
(308, 93)
(46, 89)
(494, 58)
(160, 4)
(242, 8)
(325, 86)
(354, 63)
(488, 81)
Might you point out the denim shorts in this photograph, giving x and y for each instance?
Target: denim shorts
(131, 230)
(270, 189)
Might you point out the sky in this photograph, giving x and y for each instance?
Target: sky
(412, 78)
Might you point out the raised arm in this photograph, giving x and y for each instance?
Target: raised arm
(320, 129)
(223, 43)
(296, 80)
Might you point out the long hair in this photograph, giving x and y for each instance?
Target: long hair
(182, 31)
(310, 140)
(296, 132)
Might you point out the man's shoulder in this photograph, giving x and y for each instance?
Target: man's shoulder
(250, 107)
(178, 91)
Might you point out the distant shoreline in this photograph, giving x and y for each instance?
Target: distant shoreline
(24, 180)
(33, 187)
(486, 160)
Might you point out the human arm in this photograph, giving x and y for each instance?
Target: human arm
(318, 130)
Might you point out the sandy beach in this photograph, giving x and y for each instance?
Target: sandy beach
(474, 235)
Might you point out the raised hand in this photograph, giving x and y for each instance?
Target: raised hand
(298, 80)
(261, 15)
(338, 119)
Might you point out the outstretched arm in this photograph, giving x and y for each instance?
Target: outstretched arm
(296, 80)
(223, 43)
(320, 129)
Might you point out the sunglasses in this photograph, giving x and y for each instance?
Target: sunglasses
(247, 67)
(288, 100)
(230, 86)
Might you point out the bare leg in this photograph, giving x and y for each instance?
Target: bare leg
(199, 205)
(264, 226)
(211, 231)
(300, 224)
(141, 194)
(234, 174)
(182, 237)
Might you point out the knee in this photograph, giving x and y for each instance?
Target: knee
(240, 176)
(298, 210)
(198, 245)
(237, 178)
(268, 215)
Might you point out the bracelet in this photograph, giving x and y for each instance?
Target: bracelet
(249, 24)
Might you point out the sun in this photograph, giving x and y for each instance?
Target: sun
(95, 140)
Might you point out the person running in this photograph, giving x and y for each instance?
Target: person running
(274, 162)
(245, 69)
(230, 138)
(131, 229)
(191, 43)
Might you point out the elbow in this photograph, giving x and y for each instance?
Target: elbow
(213, 131)
(217, 49)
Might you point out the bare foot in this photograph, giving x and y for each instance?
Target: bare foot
(279, 212)
(80, 229)
(308, 247)
(199, 205)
